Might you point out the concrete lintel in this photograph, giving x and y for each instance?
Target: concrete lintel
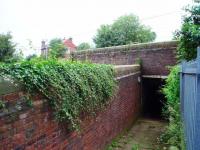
(154, 76)
(122, 70)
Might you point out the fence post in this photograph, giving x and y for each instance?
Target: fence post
(181, 88)
(197, 111)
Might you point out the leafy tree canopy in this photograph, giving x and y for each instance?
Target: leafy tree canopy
(83, 46)
(57, 48)
(126, 29)
(189, 35)
(7, 47)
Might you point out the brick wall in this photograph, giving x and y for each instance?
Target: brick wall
(23, 127)
(155, 57)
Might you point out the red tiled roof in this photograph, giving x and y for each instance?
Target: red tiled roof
(69, 44)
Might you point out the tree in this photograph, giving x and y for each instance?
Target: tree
(7, 47)
(83, 46)
(189, 35)
(57, 48)
(125, 30)
(104, 36)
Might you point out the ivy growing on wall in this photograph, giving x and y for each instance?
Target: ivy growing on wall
(70, 87)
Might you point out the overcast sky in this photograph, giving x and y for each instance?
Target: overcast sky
(45, 19)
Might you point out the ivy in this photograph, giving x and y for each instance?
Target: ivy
(72, 88)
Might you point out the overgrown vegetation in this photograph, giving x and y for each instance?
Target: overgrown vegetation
(174, 132)
(72, 88)
(189, 35)
(189, 39)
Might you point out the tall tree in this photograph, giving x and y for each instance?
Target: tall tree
(125, 30)
(189, 35)
(57, 48)
(7, 47)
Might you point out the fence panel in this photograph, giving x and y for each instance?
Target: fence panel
(190, 101)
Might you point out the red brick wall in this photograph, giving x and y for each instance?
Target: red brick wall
(155, 57)
(35, 128)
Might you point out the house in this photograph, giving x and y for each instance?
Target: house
(70, 45)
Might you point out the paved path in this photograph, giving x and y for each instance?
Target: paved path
(142, 136)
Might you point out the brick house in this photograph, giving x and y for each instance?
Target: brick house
(70, 45)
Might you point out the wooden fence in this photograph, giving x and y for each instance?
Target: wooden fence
(190, 101)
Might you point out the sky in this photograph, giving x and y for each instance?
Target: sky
(38, 20)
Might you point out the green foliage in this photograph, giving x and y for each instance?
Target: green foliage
(113, 145)
(28, 101)
(7, 47)
(32, 56)
(189, 39)
(72, 88)
(135, 147)
(174, 133)
(2, 104)
(104, 37)
(17, 56)
(57, 48)
(125, 30)
(189, 35)
(83, 46)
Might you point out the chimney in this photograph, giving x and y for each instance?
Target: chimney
(70, 39)
(43, 45)
(44, 49)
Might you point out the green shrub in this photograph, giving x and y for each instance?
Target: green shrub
(71, 87)
(174, 132)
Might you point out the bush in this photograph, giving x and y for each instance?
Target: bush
(70, 87)
(174, 133)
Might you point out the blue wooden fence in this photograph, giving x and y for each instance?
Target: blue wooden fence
(190, 101)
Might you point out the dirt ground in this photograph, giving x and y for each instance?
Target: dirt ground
(142, 136)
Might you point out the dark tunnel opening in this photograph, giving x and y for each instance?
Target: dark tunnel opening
(152, 98)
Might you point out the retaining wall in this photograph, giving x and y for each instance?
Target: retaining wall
(23, 127)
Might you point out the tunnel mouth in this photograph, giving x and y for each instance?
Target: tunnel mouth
(153, 99)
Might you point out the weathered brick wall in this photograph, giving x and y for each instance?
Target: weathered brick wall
(155, 57)
(23, 127)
